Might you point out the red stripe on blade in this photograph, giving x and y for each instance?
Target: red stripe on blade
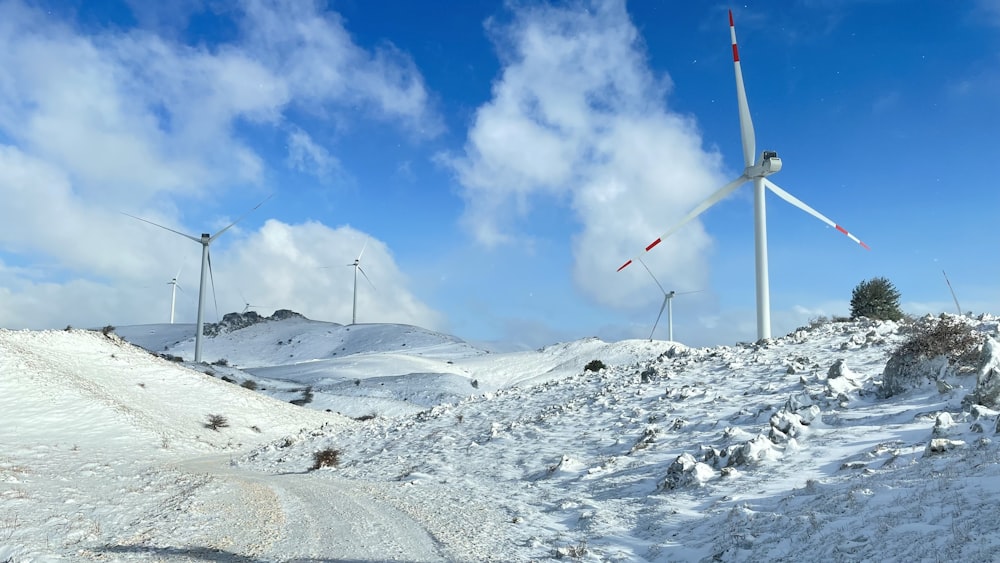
(865, 246)
(652, 244)
(736, 53)
(730, 18)
(842, 229)
(625, 265)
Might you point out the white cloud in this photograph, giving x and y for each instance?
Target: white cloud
(308, 157)
(321, 64)
(135, 121)
(305, 268)
(577, 113)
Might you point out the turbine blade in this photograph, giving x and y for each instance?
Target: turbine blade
(746, 125)
(196, 239)
(652, 276)
(212, 277)
(798, 203)
(952, 290)
(360, 269)
(216, 235)
(712, 200)
(363, 250)
(662, 307)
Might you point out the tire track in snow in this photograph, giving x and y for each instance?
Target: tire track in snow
(288, 516)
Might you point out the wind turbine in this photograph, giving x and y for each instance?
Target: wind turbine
(206, 265)
(668, 299)
(173, 293)
(247, 305)
(757, 173)
(357, 268)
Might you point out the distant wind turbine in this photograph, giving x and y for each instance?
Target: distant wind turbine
(756, 172)
(668, 298)
(357, 268)
(206, 266)
(247, 305)
(173, 293)
(952, 290)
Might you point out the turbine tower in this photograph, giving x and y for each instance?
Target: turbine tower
(206, 265)
(173, 293)
(756, 171)
(357, 268)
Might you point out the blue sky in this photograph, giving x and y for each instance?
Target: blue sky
(496, 161)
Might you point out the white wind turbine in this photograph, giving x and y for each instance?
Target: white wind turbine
(756, 172)
(206, 265)
(173, 293)
(247, 305)
(357, 268)
(668, 303)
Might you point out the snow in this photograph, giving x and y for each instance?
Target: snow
(782, 450)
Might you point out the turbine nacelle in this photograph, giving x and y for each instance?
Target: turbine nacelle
(768, 164)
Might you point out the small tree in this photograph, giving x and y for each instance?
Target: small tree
(216, 421)
(876, 299)
(325, 458)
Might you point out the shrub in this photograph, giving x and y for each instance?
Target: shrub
(249, 384)
(935, 344)
(325, 458)
(216, 421)
(106, 331)
(221, 362)
(307, 397)
(594, 365)
(876, 299)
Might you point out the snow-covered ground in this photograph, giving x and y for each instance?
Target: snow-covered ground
(450, 453)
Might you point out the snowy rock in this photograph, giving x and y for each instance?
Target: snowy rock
(785, 425)
(979, 411)
(987, 390)
(942, 423)
(837, 370)
(685, 471)
(566, 467)
(752, 451)
(649, 436)
(942, 445)
(904, 373)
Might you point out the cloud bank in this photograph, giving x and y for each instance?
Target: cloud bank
(578, 116)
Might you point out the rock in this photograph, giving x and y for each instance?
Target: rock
(942, 445)
(987, 392)
(942, 423)
(684, 471)
(903, 373)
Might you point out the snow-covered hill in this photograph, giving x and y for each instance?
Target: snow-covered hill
(357, 370)
(781, 451)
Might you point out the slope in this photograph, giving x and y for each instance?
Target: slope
(756, 452)
(106, 453)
